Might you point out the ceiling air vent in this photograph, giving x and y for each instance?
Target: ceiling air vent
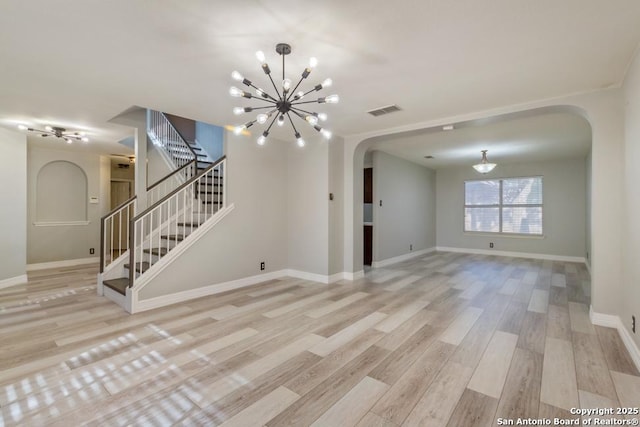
(384, 110)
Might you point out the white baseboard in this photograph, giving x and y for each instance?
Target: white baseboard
(65, 263)
(161, 301)
(612, 321)
(353, 276)
(321, 278)
(400, 258)
(12, 281)
(513, 254)
(588, 265)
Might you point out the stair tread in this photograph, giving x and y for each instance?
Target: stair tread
(119, 285)
(178, 237)
(141, 267)
(188, 224)
(156, 251)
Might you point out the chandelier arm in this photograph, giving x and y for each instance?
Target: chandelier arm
(304, 111)
(294, 89)
(274, 86)
(306, 102)
(272, 122)
(292, 125)
(264, 99)
(262, 108)
(258, 89)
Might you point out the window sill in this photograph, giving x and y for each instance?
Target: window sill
(59, 223)
(507, 235)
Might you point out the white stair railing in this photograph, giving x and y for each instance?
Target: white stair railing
(114, 233)
(170, 221)
(180, 153)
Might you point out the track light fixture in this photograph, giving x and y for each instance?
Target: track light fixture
(58, 132)
(285, 103)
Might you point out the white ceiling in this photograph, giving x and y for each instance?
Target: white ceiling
(79, 63)
(520, 138)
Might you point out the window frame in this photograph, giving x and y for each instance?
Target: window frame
(501, 206)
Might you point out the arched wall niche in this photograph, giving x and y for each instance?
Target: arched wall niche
(61, 193)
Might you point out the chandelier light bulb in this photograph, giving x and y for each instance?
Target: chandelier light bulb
(238, 110)
(23, 127)
(326, 133)
(84, 139)
(234, 91)
(261, 92)
(300, 142)
(262, 118)
(313, 120)
(281, 120)
(238, 129)
(286, 84)
(69, 141)
(332, 99)
(48, 128)
(261, 57)
(327, 83)
(322, 117)
(299, 95)
(262, 139)
(237, 76)
(313, 62)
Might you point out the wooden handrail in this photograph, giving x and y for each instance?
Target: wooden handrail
(190, 181)
(171, 174)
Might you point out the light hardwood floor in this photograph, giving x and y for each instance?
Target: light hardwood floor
(445, 339)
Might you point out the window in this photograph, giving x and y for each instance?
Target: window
(509, 205)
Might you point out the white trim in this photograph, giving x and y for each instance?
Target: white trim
(313, 277)
(512, 254)
(59, 223)
(612, 321)
(336, 277)
(400, 258)
(347, 275)
(164, 300)
(65, 263)
(116, 297)
(12, 281)
(174, 253)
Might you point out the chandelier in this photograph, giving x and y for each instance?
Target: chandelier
(58, 132)
(285, 103)
(484, 166)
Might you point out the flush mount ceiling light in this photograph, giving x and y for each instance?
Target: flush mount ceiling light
(57, 132)
(286, 102)
(484, 166)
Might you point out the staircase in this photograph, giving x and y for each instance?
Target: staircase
(181, 205)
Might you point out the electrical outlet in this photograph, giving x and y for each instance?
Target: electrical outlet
(92, 251)
(633, 324)
(262, 265)
(491, 245)
(410, 247)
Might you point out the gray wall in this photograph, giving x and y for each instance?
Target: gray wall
(336, 206)
(564, 212)
(211, 139)
(587, 251)
(256, 230)
(408, 212)
(308, 207)
(65, 242)
(631, 229)
(13, 214)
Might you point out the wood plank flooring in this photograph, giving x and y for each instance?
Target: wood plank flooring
(445, 339)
